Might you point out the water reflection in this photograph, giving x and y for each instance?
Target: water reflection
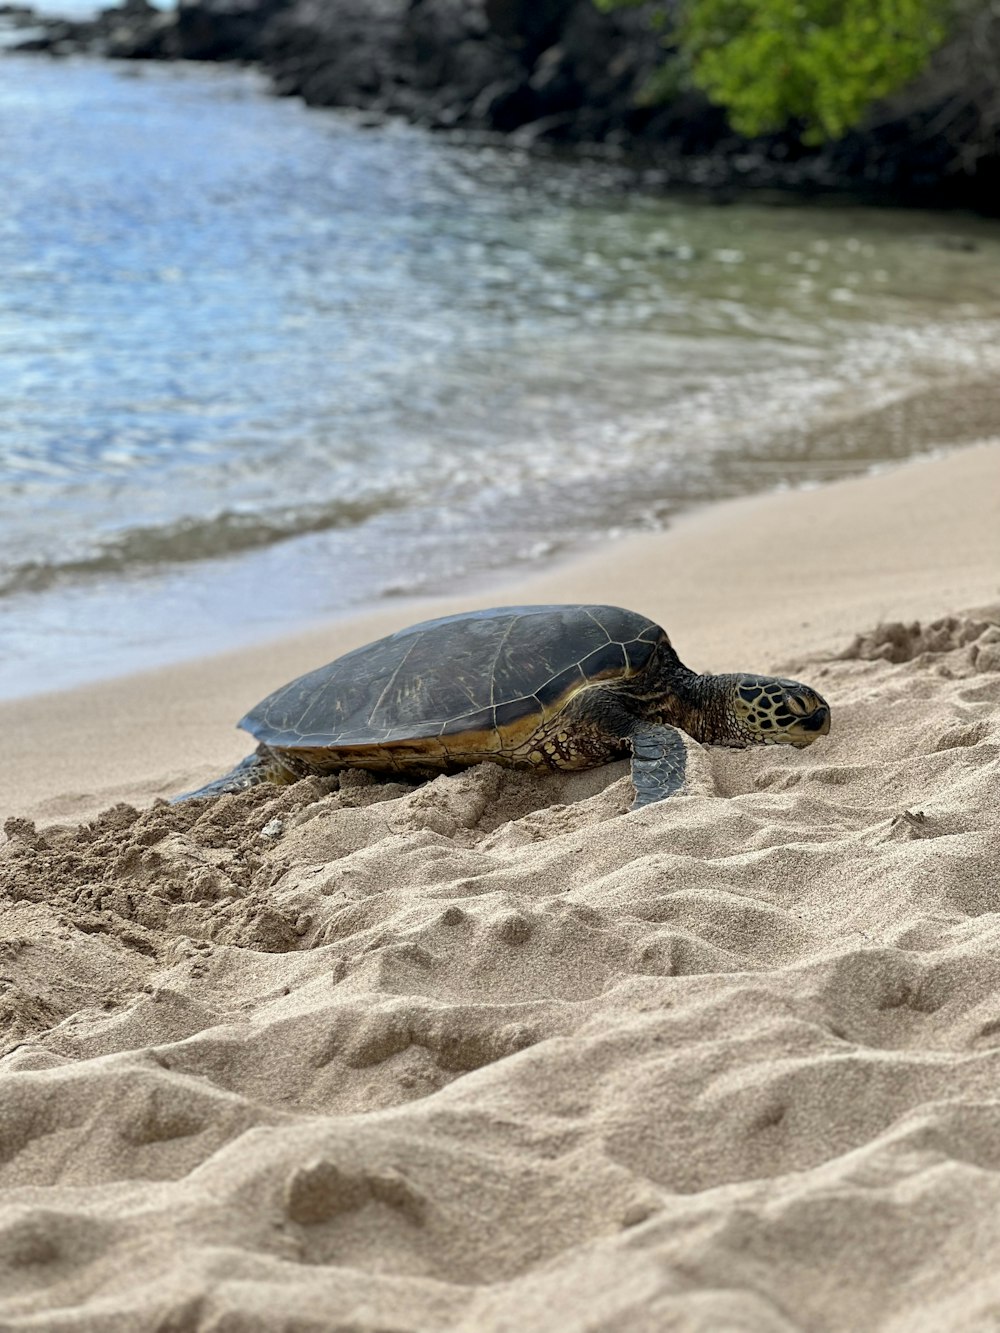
(261, 363)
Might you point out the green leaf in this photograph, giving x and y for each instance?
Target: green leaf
(817, 63)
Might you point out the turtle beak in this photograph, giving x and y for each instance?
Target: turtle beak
(811, 725)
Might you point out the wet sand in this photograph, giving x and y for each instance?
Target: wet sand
(495, 1053)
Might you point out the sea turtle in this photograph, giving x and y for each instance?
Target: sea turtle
(539, 687)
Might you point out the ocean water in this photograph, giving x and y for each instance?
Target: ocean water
(261, 364)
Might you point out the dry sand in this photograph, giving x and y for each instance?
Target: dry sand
(495, 1054)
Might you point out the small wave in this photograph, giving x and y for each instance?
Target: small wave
(191, 539)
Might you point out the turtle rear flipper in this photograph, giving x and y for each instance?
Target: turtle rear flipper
(261, 766)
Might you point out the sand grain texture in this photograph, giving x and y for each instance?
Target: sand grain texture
(496, 1054)
(493, 1053)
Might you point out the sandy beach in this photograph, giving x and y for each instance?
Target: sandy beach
(495, 1053)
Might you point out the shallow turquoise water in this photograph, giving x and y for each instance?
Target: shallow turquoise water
(260, 364)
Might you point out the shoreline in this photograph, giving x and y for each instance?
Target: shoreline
(460, 1055)
(533, 78)
(218, 529)
(752, 583)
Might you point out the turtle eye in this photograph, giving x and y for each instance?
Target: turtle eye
(797, 705)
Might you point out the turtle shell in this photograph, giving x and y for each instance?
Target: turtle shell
(468, 684)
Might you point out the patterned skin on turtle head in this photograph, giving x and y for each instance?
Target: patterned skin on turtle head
(768, 710)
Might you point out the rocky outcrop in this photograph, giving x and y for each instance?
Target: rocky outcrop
(561, 71)
(134, 30)
(224, 29)
(559, 66)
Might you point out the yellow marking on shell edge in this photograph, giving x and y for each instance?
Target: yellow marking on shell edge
(519, 744)
(399, 756)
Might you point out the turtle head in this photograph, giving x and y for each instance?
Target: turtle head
(767, 710)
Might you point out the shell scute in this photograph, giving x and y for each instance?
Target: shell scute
(466, 675)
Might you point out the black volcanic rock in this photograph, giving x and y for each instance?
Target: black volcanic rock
(138, 30)
(562, 71)
(437, 61)
(224, 29)
(135, 30)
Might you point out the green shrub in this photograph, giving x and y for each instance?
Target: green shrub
(818, 64)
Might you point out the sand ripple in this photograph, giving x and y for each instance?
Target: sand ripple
(493, 1053)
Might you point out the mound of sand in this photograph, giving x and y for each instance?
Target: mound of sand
(493, 1053)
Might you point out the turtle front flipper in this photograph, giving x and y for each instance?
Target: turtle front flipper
(261, 766)
(659, 763)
